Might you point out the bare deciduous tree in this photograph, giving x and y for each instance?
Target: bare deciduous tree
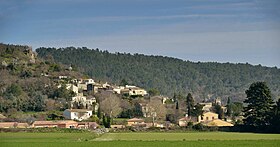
(50, 105)
(109, 104)
(157, 108)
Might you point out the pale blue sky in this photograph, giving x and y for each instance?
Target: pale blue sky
(235, 31)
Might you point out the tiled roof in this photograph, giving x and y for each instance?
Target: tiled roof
(218, 123)
(53, 122)
(67, 121)
(135, 120)
(44, 123)
(88, 123)
(7, 124)
(78, 110)
(210, 113)
(12, 124)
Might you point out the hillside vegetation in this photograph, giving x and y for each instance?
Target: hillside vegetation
(28, 83)
(197, 139)
(168, 75)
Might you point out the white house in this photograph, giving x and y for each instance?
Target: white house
(137, 91)
(79, 98)
(62, 77)
(77, 114)
(88, 81)
(206, 106)
(82, 86)
(118, 89)
(86, 102)
(73, 88)
(106, 85)
(133, 91)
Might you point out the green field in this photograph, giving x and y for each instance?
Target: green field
(216, 139)
(188, 136)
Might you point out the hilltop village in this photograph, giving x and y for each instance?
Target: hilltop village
(86, 110)
(41, 93)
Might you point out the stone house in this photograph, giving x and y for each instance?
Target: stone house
(211, 119)
(185, 120)
(55, 124)
(136, 122)
(77, 114)
(13, 125)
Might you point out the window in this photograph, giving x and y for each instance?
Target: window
(206, 118)
(213, 118)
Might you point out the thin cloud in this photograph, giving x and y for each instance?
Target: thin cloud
(214, 6)
(125, 18)
(137, 18)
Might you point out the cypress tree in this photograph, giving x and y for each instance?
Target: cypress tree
(190, 104)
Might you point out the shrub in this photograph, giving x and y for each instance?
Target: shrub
(198, 127)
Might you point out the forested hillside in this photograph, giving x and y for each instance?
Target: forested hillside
(168, 75)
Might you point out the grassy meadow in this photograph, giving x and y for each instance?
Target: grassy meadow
(22, 139)
(193, 136)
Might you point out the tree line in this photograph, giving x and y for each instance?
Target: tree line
(204, 80)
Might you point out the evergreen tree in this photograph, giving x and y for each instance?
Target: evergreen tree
(104, 121)
(175, 98)
(197, 110)
(190, 104)
(176, 111)
(153, 92)
(99, 112)
(237, 108)
(229, 107)
(137, 111)
(218, 109)
(109, 119)
(277, 110)
(123, 82)
(260, 105)
(15, 90)
(276, 116)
